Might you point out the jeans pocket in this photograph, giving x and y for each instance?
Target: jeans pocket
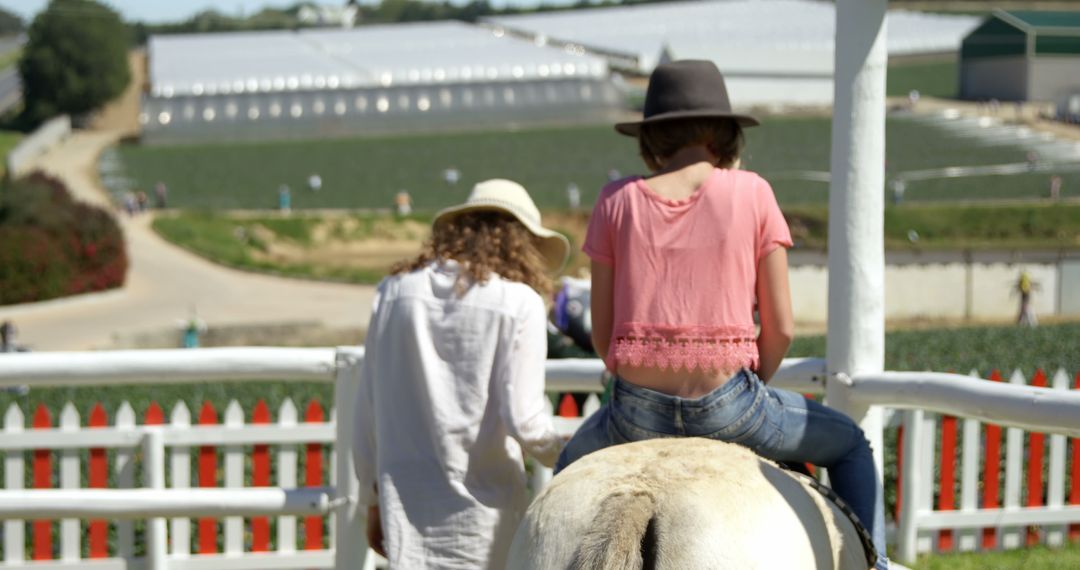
(744, 429)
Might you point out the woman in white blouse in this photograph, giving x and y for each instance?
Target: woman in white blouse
(452, 389)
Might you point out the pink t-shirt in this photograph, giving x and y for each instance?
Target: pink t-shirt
(685, 270)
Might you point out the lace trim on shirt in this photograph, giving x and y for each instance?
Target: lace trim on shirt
(686, 347)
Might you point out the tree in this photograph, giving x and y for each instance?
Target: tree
(75, 59)
(9, 23)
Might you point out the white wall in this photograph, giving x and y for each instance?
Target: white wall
(1054, 78)
(1002, 78)
(942, 291)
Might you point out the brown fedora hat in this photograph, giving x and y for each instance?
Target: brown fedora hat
(684, 89)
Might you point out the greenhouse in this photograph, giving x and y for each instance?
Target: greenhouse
(373, 79)
(1023, 56)
(772, 52)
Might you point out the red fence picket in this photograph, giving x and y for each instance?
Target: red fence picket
(899, 470)
(568, 408)
(43, 535)
(992, 474)
(207, 478)
(260, 477)
(98, 478)
(1074, 494)
(947, 495)
(313, 525)
(1035, 448)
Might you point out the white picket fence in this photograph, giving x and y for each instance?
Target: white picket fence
(1030, 510)
(167, 500)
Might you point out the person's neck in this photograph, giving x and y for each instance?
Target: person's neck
(694, 156)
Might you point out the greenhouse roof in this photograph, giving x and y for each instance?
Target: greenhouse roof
(754, 35)
(1039, 21)
(369, 56)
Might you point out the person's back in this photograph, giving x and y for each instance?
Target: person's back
(447, 453)
(681, 260)
(452, 392)
(689, 243)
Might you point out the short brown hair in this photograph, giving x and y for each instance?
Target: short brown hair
(661, 140)
(484, 243)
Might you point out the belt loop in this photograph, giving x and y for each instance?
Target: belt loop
(679, 427)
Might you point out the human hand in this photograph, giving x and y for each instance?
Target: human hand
(374, 531)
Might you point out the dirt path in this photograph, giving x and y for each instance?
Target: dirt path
(165, 282)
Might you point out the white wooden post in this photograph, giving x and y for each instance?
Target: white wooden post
(331, 525)
(180, 475)
(14, 530)
(286, 527)
(856, 334)
(157, 541)
(969, 479)
(910, 487)
(125, 479)
(70, 478)
(1055, 492)
(234, 477)
(1014, 469)
(352, 549)
(926, 447)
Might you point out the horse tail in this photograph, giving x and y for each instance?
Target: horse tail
(622, 535)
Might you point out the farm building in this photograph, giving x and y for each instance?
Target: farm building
(1023, 56)
(392, 78)
(772, 52)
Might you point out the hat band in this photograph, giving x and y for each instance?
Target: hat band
(516, 209)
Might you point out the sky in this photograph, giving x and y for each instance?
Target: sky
(159, 10)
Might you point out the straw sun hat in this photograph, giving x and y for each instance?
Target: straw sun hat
(500, 195)
(685, 89)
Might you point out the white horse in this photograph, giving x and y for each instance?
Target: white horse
(683, 504)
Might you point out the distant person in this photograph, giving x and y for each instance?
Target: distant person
(913, 98)
(7, 337)
(192, 330)
(573, 196)
(130, 204)
(284, 198)
(9, 344)
(142, 201)
(314, 182)
(451, 176)
(1032, 160)
(1025, 287)
(613, 175)
(899, 186)
(1055, 187)
(451, 396)
(402, 203)
(161, 195)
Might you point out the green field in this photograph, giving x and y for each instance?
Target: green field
(366, 173)
(1039, 558)
(930, 76)
(8, 140)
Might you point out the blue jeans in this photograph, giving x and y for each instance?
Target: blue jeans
(776, 424)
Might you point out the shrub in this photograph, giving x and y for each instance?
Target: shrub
(52, 246)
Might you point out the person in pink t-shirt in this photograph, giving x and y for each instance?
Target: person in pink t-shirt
(681, 260)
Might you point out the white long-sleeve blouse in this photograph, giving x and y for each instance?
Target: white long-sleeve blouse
(452, 391)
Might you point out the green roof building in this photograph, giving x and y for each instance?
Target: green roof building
(1022, 56)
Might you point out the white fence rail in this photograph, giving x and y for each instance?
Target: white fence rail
(164, 451)
(40, 141)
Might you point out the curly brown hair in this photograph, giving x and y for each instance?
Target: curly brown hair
(484, 242)
(659, 141)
